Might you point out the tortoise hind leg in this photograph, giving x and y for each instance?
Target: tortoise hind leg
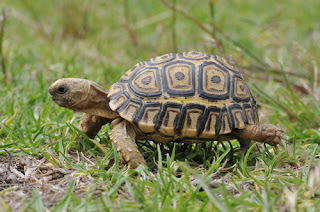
(123, 137)
(244, 143)
(265, 133)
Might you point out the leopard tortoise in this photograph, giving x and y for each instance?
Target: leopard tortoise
(189, 97)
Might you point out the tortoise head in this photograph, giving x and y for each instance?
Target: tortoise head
(69, 92)
(76, 94)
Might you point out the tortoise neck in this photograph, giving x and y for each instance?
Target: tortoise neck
(96, 103)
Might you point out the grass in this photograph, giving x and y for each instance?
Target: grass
(273, 43)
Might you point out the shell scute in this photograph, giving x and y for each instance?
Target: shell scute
(179, 78)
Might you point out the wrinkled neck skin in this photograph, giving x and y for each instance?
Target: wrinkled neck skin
(96, 102)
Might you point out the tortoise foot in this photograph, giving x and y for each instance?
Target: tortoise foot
(90, 124)
(271, 134)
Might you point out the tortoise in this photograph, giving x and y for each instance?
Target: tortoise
(189, 97)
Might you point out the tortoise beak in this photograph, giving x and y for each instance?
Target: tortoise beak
(51, 90)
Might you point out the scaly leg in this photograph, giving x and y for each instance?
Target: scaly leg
(90, 124)
(123, 137)
(265, 133)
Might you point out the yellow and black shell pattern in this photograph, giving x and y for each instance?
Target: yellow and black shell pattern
(186, 95)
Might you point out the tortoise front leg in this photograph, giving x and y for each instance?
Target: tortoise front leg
(123, 137)
(90, 124)
(265, 133)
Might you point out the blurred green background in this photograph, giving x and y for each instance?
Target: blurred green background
(100, 40)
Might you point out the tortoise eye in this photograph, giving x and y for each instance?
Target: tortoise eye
(62, 90)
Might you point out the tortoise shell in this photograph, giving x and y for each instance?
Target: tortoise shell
(191, 95)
